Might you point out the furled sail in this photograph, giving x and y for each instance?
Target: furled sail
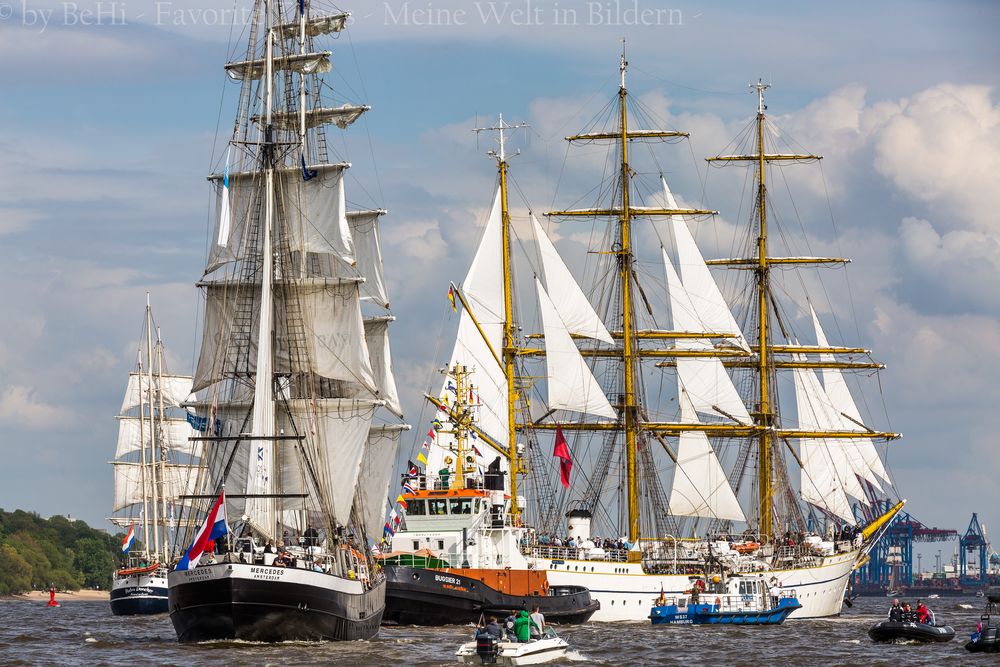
(314, 26)
(341, 116)
(704, 379)
(571, 384)
(301, 63)
(709, 305)
(376, 474)
(176, 389)
(843, 404)
(820, 484)
(175, 434)
(573, 306)
(700, 487)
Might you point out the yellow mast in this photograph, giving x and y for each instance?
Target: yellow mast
(764, 476)
(628, 359)
(510, 351)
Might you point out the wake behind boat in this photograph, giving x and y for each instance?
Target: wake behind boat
(295, 393)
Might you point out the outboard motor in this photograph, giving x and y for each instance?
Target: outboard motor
(487, 648)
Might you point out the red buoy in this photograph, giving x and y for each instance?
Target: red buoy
(52, 597)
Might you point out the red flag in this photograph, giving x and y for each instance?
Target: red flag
(561, 451)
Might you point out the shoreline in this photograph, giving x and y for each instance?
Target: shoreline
(82, 595)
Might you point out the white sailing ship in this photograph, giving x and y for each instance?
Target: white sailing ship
(728, 455)
(155, 464)
(294, 375)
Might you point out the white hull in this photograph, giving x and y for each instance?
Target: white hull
(626, 593)
(535, 652)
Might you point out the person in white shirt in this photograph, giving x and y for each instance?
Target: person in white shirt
(539, 620)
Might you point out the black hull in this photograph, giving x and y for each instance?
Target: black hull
(428, 597)
(124, 604)
(890, 631)
(988, 642)
(272, 611)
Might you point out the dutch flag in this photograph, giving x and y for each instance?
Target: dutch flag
(129, 539)
(215, 526)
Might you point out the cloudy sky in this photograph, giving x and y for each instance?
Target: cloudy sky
(109, 123)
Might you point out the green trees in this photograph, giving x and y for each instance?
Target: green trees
(38, 553)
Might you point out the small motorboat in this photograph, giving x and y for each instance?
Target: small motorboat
(488, 650)
(890, 631)
(986, 638)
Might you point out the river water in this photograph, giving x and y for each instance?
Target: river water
(85, 633)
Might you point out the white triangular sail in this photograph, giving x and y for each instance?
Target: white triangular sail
(709, 305)
(571, 384)
(819, 485)
(483, 289)
(573, 306)
(843, 403)
(704, 379)
(700, 486)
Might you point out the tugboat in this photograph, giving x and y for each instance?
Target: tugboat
(737, 600)
(459, 554)
(986, 638)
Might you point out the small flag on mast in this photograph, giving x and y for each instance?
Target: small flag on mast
(451, 298)
(561, 451)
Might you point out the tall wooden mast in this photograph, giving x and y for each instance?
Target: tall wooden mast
(764, 473)
(625, 275)
(510, 351)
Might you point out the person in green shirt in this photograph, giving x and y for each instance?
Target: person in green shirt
(522, 626)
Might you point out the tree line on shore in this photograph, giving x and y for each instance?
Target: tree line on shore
(37, 553)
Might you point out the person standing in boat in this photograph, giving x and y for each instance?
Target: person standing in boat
(538, 621)
(923, 614)
(775, 592)
(522, 626)
(896, 612)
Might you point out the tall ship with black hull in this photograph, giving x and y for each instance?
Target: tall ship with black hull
(155, 463)
(687, 462)
(294, 380)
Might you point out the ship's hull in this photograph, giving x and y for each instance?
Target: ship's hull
(627, 593)
(137, 594)
(271, 604)
(417, 596)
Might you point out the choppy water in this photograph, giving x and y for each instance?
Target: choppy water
(85, 633)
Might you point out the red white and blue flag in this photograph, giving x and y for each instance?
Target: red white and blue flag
(215, 526)
(129, 539)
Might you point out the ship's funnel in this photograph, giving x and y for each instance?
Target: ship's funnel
(578, 524)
